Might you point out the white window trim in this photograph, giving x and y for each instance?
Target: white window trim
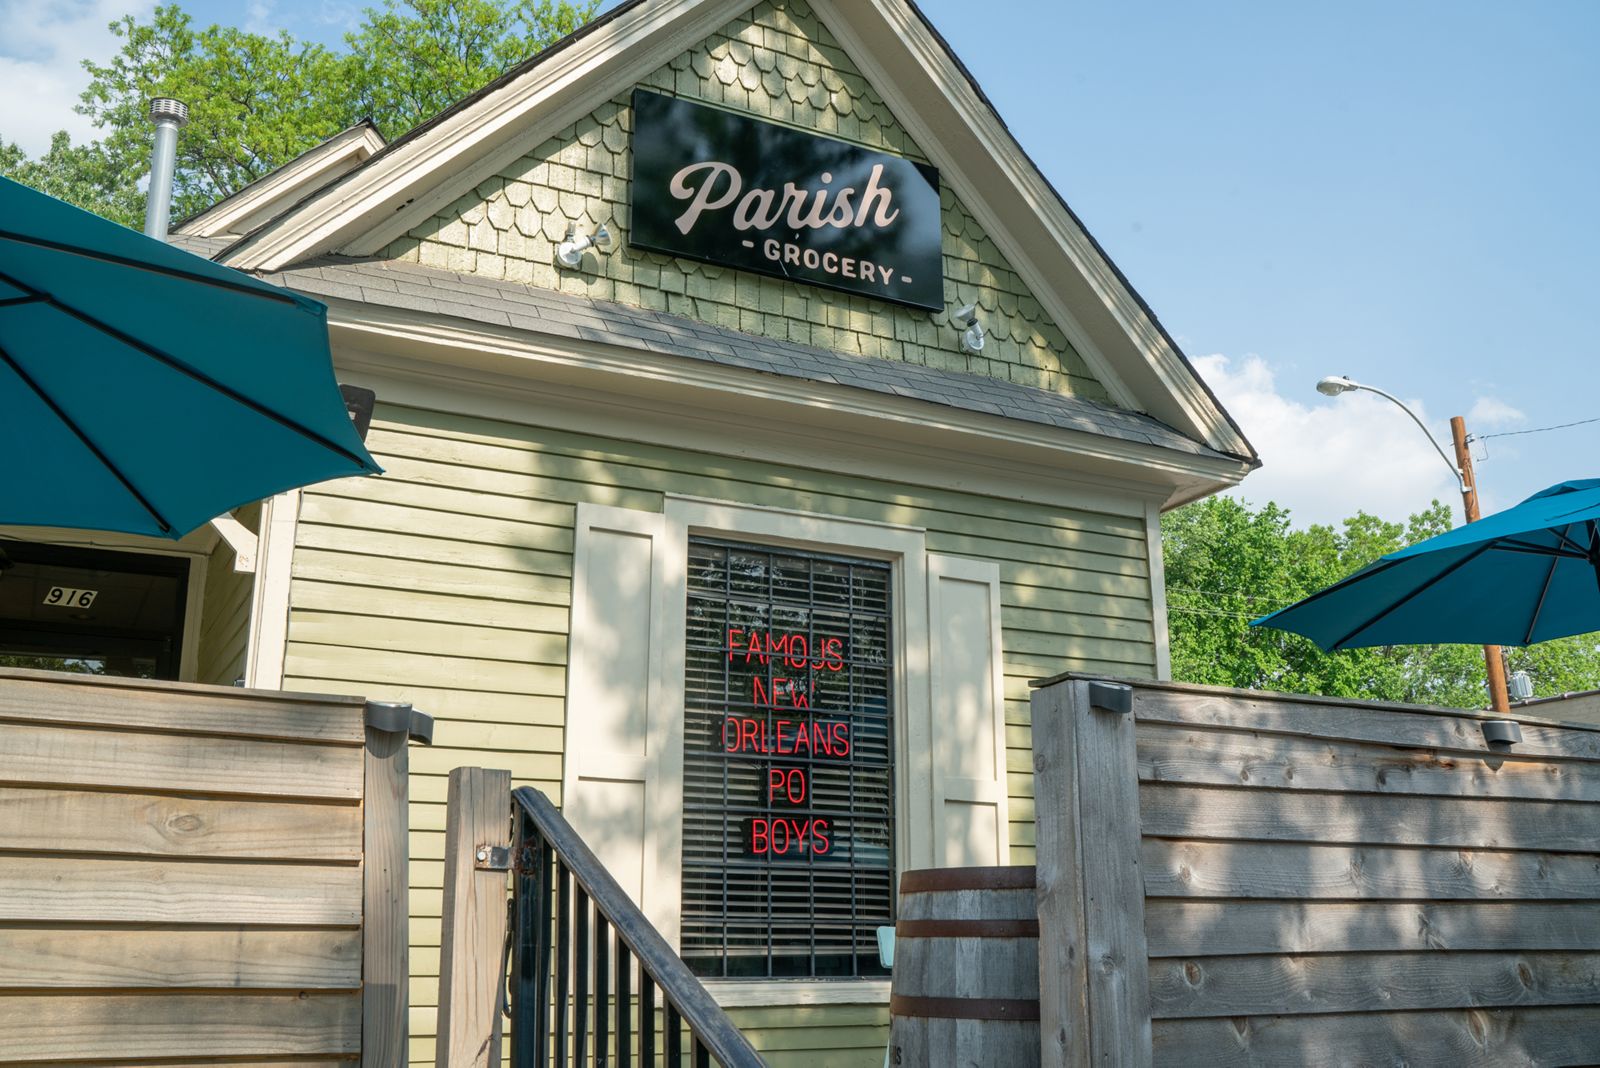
(988, 787)
(920, 786)
(786, 993)
(905, 549)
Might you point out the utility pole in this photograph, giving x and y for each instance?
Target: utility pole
(1493, 663)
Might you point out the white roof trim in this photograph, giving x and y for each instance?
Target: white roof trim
(905, 61)
(275, 193)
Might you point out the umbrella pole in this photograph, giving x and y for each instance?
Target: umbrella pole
(1494, 663)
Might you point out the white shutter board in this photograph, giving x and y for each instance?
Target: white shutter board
(622, 780)
(971, 817)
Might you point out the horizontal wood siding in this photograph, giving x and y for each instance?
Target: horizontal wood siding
(180, 873)
(225, 612)
(447, 583)
(1324, 876)
(804, 1036)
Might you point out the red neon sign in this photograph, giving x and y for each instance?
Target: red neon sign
(746, 734)
(780, 836)
(749, 736)
(794, 650)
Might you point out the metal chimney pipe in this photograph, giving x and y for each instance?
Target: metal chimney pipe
(168, 115)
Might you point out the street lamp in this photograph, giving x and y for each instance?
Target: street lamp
(1336, 385)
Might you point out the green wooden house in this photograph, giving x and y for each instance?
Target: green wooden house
(744, 562)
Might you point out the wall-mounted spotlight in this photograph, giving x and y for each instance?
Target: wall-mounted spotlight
(570, 252)
(1501, 734)
(972, 336)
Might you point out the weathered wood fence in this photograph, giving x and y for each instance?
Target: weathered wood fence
(200, 873)
(1242, 878)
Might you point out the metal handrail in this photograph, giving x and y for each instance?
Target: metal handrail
(684, 997)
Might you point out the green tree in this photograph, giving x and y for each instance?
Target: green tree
(1227, 564)
(256, 101)
(79, 174)
(408, 63)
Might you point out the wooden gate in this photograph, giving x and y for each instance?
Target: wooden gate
(200, 872)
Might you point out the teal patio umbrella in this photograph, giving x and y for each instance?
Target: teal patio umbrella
(147, 390)
(1524, 575)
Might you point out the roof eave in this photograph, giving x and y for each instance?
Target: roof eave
(277, 191)
(465, 350)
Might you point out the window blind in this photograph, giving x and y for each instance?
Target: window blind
(788, 846)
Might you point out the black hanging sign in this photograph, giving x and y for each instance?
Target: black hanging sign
(712, 185)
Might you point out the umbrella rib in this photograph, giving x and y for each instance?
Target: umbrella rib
(88, 443)
(1594, 548)
(153, 268)
(1570, 544)
(1537, 550)
(11, 301)
(1544, 591)
(1402, 602)
(183, 368)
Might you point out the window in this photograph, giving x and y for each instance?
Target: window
(788, 778)
(647, 782)
(92, 611)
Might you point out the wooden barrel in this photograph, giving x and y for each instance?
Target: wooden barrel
(965, 986)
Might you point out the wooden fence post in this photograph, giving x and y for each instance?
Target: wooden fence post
(386, 882)
(1094, 967)
(1063, 982)
(471, 973)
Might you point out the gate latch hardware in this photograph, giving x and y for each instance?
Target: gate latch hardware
(494, 858)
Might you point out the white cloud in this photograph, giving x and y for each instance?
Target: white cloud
(1493, 412)
(42, 50)
(1325, 459)
(258, 17)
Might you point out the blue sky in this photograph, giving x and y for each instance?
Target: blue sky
(1404, 193)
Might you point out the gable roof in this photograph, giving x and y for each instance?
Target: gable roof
(906, 61)
(275, 192)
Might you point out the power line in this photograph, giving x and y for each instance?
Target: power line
(1180, 610)
(1536, 430)
(1218, 592)
(1252, 597)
